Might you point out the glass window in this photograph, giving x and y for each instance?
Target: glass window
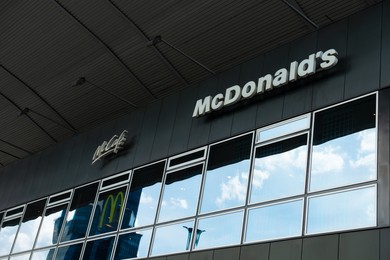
(7, 235)
(344, 145)
(25, 256)
(108, 211)
(29, 226)
(51, 226)
(342, 210)
(46, 254)
(275, 221)
(69, 252)
(133, 245)
(227, 174)
(99, 249)
(272, 179)
(294, 125)
(143, 197)
(79, 213)
(181, 192)
(221, 230)
(173, 238)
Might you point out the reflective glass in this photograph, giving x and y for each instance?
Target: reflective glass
(79, 213)
(99, 249)
(51, 226)
(344, 145)
(272, 179)
(222, 230)
(25, 256)
(108, 211)
(227, 174)
(342, 210)
(284, 129)
(275, 221)
(143, 197)
(46, 254)
(173, 238)
(181, 192)
(29, 226)
(7, 235)
(134, 244)
(69, 252)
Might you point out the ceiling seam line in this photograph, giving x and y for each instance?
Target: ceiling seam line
(15, 146)
(296, 8)
(107, 48)
(7, 153)
(148, 41)
(36, 123)
(40, 97)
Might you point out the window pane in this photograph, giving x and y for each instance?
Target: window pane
(134, 244)
(275, 221)
(7, 235)
(272, 179)
(181, 194)
(220, 230)
(143, 197)
(344, 145)
(284, 129)
(99, 249)
(21, 257)
(227, 174)
(343, 210)
(51, 226)
(46, 254)
(29, 226)
(108, 211)
(79, 214)
(69, 252)
(173, 238)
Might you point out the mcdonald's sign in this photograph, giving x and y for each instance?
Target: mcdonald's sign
(112, 210)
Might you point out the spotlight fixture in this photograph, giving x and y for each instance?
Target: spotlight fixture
(82, 80)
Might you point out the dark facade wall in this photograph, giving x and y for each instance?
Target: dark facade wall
(166, 127)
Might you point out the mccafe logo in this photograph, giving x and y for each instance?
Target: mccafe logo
(114, 145)
(315, 62)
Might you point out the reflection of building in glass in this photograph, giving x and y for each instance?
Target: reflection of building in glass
(132, 205)
(128, 246)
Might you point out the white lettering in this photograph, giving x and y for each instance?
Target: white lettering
(329, 58)
(202, 107)
(264, 83)
(307, 66)
(232, 95)
(114, 145)
(217, 102)
(280, 78)
(249, 89)
(293, 71)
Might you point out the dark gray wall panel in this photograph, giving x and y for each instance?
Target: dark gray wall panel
(363, 53)
(133, 124)
(200, 126)
(181, 129)
(269, 111)
(244, 118)
(178, 257)
(385, 60)
(15, 184)
(164, 128)
(384, 244)
(328, 85)
(147, 135)
(320, 248)
(359, 245)
(222, 123)
(203, 255)
(286, 250)
(227, 254)
(255, 252)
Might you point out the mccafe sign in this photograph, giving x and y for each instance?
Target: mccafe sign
(114, 145)
(314, 63)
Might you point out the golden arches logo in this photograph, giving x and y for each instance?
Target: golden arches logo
(112, 204)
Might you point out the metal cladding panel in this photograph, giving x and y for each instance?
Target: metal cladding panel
(183, 119)
(221, 125)
(227, 254)
(255, 252)
(165, 126)
(363, 52)
(202, 255)
(329, 86)
(244, 117)
(178, 257)
(385, 60)
(320, 248)
(359, 246)
(286, 250)
(384, 244)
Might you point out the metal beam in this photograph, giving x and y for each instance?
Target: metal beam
(40, 97)
(107, 48)
(148, 41)
(15, 146)
(7, 153)
(29, 117)
(296, 8)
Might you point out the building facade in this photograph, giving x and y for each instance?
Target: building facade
(285, 156)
